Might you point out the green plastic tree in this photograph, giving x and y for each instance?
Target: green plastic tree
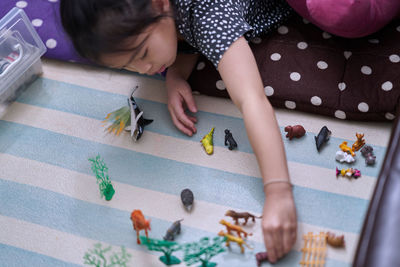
(167, 247)
(100, 169)
(203, 251)
(97, 257)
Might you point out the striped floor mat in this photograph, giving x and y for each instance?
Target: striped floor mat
(52, 213)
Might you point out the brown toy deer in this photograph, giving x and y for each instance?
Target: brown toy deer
(241, 215)
(359, 143)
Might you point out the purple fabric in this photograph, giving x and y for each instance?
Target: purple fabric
(45, 17)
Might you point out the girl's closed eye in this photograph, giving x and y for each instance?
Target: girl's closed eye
(144, 55)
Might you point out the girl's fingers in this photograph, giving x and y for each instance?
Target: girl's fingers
(289, 237)
(277, 236)
(269, 245)
(181, 127)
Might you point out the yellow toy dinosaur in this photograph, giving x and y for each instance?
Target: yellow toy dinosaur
(207, 142)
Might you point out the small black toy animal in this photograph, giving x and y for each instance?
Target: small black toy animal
(187, 198)
(322, 137)
(229, 140)
(173, 230)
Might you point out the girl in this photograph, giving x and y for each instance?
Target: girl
(145, 35)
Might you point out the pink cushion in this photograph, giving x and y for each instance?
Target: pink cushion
(348, 18)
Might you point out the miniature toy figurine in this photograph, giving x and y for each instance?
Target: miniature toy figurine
(349, 173)
(295, 131)
(187, 199)
(237, 240)
(100, 256)
(173, 230)
(140, 223)
(167, 247)
(100, 169)
(359, 143)
(129, 118)
(261, 257)
(335, 241)
(241, 215)
(314, 250)
(367, 152)
(344, 157)
(322, 137)
(229, 140)
(231, 227)
(207, 142)
(345, 148)
(203, 251)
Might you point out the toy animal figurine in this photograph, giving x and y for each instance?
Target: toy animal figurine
(137, 120)
(344, 157)
(359, 143)
(207, 142)
(295, 131)
(335, 241)
(322, 137)
(241, 215)
(129, 118)
(345, 148)
(261, 257)
(367, 152)
(231, 227)
(231, 238)
(173, 230)
(187, 199)
(229, 141)
(349, 173)
(140, 223)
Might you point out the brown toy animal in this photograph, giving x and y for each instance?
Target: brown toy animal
(359, 143)
(261, 257)
(335, 241)
(295, 131)
(241, 215)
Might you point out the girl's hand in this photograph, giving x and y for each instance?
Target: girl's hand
(279, 222)
(179, 98)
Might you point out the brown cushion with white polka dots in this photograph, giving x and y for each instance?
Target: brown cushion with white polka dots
(306, 69)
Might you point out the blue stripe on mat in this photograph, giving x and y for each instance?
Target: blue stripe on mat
(163, 175)
(96, 104)
(105, 224)
(11, 256)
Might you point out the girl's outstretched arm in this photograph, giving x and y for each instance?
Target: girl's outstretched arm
(240, 74)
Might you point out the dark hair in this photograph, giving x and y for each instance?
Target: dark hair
(99, 27)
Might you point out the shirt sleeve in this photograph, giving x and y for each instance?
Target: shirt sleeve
(216, 26)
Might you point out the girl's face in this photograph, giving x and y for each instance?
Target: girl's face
(150, 52)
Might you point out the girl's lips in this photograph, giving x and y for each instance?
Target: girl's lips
(161, 70)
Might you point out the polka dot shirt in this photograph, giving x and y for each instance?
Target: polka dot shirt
(211, 26)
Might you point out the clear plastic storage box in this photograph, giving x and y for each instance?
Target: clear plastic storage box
(20, 52)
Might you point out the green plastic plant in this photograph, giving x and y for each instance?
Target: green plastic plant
(100, 169)
(203, 251)
(167, 247)
(97, 257)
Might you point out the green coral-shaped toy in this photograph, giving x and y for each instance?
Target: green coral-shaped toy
(97, 257)
(100, 169)
(165, 246)
(203, 251)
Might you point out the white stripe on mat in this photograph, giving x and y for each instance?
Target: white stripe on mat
(107, 80)
(60, 245)
(190, 152)
(84, 187)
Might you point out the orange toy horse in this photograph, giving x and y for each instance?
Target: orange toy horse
(139, 223)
